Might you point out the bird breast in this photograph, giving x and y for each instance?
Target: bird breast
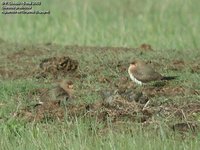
(132, 77)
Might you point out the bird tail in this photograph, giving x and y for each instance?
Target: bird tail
(169, 78)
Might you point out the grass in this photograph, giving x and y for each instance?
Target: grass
(164, 24)
(61, 136)
(170, 26)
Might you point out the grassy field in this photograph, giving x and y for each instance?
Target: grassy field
(164, 24)
(171, 27)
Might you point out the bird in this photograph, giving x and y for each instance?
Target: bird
(141, 73)
(63, 91)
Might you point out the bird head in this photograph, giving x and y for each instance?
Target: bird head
(135, 63)
(66, 84)
(132, 66)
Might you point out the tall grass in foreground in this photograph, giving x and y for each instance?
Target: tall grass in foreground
(81, 136)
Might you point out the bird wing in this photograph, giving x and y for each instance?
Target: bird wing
(147, 74)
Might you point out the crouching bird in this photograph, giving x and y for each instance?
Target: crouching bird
(140, 72)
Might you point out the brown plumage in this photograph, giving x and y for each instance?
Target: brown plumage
(141, 72)
(63, 91)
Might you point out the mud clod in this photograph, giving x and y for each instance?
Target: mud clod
(56, 66)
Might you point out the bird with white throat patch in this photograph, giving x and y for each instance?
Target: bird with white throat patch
(140, 72)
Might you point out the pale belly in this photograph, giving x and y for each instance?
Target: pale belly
(134, 79)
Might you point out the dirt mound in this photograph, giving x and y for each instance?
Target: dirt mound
(56, 66)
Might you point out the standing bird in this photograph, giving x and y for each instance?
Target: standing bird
(141, 72)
